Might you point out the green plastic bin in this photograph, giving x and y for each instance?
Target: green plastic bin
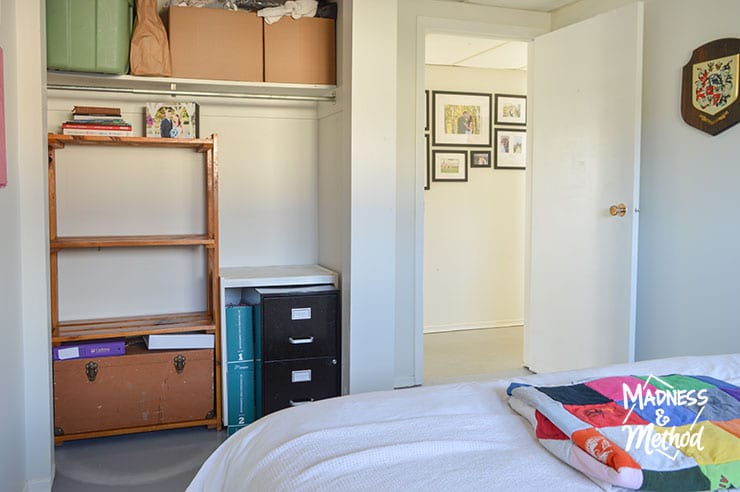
(88, 35)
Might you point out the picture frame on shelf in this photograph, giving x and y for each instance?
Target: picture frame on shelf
(480, 158)
(427, 160)
(172, 120)
(461, 119)
(449, 165)
(511, 109)
(510, 149)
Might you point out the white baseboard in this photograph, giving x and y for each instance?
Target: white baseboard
(473, 325)
(404, 382)
(38, 485)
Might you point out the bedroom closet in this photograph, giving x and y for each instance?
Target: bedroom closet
(473, 228)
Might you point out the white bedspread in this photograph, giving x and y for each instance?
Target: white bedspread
(451, 437)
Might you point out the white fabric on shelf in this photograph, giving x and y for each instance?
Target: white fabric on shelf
(294, 8)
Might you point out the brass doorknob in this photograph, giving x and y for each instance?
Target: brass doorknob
(620, 210)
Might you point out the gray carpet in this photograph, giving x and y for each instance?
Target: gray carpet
(160, 461)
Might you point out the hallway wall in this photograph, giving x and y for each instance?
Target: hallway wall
(474, 230)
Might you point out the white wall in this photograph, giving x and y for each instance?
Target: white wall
(34, 292)
(688, 274)
(414, 18)
(12, 438)
(474, 231)
(372, 136)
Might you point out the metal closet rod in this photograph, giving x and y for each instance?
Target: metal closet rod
(229, 95)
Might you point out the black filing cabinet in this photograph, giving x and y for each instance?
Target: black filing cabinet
(299, 346)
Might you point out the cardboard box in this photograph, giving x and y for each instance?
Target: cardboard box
(216, 44)
(300, 51)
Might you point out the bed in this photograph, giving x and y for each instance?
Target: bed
(461, 436)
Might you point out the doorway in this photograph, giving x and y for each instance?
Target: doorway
(474, 226)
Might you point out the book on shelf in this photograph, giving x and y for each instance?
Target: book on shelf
(94, 118)
(179, 341)
(88, 350)
(99, 133)
(93, 126)
(96, 110)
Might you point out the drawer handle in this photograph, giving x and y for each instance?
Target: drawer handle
(300, 341)
(300, 402)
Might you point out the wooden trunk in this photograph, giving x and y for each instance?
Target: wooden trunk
(137, 390)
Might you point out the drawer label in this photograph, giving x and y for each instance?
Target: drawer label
(300, 313)
(301, 376)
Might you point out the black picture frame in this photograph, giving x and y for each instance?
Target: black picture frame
(427, 163)
(449, 165)
(426, 111)
(461, 119)
(477, 155)
(510, 149)
(511, 109)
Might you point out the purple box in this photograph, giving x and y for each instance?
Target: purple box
(87, 350)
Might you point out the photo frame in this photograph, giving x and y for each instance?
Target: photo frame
(461, 119)
(426, 111)
(172, 120)
(510, 149)
(427, 165)
(511, 109)
(480, 158)
(449, 165)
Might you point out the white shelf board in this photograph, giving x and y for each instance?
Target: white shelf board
(273, 276)
(167, 85)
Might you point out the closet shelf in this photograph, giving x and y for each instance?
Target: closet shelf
(170, 86)
(130, 241)
(95, 329)
(58, 141)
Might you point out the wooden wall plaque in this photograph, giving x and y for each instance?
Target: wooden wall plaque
(709, 92)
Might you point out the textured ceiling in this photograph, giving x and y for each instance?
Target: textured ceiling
(452, 50)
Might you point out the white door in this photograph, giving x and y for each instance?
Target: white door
(585, 94)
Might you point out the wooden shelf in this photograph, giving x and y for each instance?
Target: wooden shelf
(131, 241)
(166, 86)
(95, 329)
(200, 144)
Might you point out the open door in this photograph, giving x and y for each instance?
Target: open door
(585, 92)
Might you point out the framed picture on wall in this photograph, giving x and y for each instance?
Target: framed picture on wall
(449, 165)
(461, 119)
(511, 149)
(426, 111)
(511, 109)
(427, 165)
(480, 158)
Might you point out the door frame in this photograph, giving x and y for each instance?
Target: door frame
(426, 25)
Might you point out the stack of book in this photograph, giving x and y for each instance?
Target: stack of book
(95, 120)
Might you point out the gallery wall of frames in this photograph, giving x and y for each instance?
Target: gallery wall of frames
(468, 130)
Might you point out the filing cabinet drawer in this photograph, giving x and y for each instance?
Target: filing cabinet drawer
(294, 382)
(298, 326)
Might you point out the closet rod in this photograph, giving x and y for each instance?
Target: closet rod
(230, 95)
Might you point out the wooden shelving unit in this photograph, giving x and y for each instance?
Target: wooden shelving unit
(136, 326)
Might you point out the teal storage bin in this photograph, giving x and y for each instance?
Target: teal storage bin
(89, 35)
(239, 334)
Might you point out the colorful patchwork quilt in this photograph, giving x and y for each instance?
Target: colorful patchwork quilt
(671, 432)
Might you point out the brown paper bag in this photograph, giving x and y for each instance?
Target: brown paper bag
(150, 49)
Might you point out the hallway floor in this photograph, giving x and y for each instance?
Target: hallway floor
(473, 355)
